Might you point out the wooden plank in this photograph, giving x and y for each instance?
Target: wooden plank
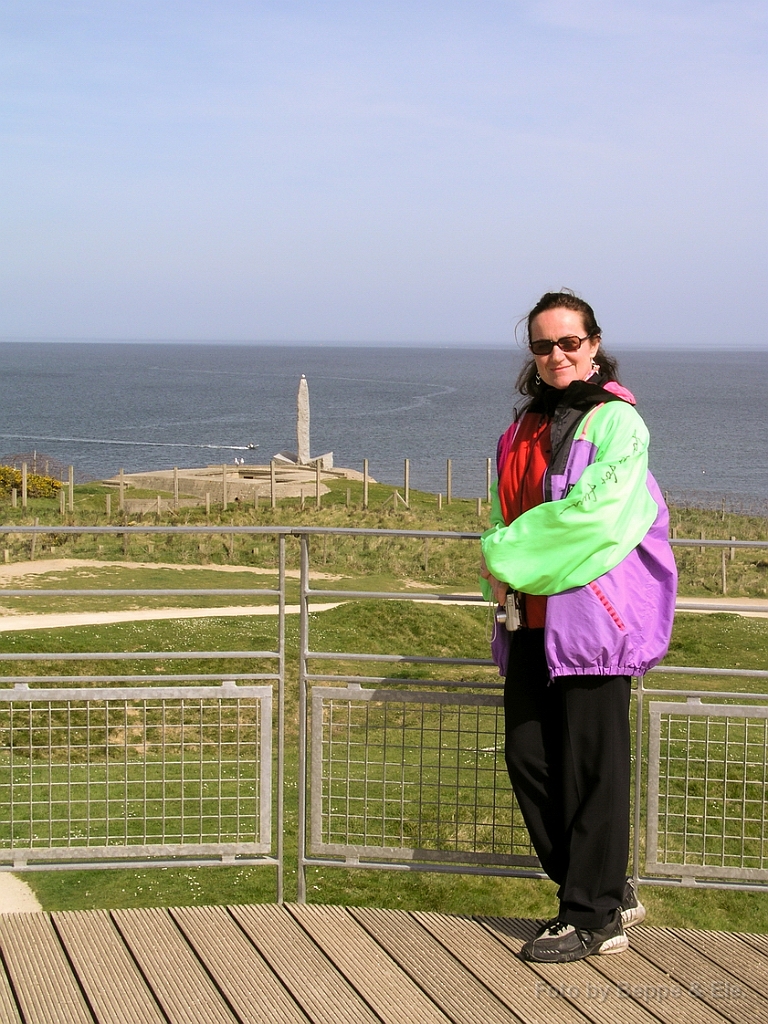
(739, 958)
(46, 988)
(703, 978)
(580, 983)
(455, 989)
(9, 1011)
(178, 981)
(237, 967)
(324, 994)
(113, 984)
(385, 987)
(757, 941)
(637, 978)
(509, 978)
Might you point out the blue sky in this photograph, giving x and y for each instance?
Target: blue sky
(379, 172)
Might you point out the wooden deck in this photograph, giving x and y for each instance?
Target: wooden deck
(328, 965)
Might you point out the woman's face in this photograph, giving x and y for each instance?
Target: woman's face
(559, 368)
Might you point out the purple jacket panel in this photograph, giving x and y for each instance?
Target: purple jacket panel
(581, 455)
(623, 618)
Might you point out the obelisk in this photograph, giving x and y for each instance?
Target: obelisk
(302, 423)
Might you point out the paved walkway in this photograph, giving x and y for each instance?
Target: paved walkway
(327, 965)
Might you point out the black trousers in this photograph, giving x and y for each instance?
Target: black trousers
(567, 750)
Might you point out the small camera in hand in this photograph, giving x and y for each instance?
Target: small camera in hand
(509, 615)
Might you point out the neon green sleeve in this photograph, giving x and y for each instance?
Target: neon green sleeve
(568, 543)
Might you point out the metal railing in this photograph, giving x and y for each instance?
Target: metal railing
(396, 776)
(396, 771)
(115, 769)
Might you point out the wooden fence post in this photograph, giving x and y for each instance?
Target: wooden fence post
(272, 484)
(407, 480)
(71, 485)
(365, 483)
(23, 485)
(488, 480)
(448, 481)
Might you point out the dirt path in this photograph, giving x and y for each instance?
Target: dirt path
(13, 570)
(54, 620)
(16, 897)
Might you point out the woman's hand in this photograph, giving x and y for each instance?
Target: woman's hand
(499, 587)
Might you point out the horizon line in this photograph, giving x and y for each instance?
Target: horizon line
(713, 346)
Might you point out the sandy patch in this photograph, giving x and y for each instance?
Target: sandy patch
(13, 570)
(15, 623)
(16, 897)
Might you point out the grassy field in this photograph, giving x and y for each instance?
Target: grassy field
(394, 627)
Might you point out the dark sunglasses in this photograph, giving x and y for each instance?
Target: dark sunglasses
(544, 346)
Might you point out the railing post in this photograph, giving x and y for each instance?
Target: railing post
(280, 717)
(272, 484)
(488, 480)
(723, 571)
(448, 481)
(365, 483)
(638, 778)
(121, 493)
(71, 485)
(303, 779)
(407, 480)
(23, 485)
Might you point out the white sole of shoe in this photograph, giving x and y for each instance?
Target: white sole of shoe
(615, 945)
(635, 915)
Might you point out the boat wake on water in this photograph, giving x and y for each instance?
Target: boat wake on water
(135, 444)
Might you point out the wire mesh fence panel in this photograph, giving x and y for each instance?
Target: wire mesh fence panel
(412, 776)
(708, 791)
(133, 776)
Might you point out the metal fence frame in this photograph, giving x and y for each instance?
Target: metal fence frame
(317, 854)
(66, 854)
(230, 686)
(241, 684)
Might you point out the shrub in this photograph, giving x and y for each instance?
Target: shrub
(37, 486)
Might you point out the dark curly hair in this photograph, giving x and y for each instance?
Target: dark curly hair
(564, 299)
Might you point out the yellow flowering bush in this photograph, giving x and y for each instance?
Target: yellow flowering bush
(37, 486)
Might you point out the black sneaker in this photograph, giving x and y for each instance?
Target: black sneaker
(632, 910)
(558, 942)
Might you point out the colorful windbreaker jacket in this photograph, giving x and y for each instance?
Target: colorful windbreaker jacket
(598, 544)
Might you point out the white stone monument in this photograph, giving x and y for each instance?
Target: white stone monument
(303, 456)
(302, 423)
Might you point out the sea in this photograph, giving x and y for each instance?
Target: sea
(141, 406)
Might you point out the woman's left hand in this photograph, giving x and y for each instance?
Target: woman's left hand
(499, 587)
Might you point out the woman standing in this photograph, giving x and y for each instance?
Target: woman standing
(579, 542)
